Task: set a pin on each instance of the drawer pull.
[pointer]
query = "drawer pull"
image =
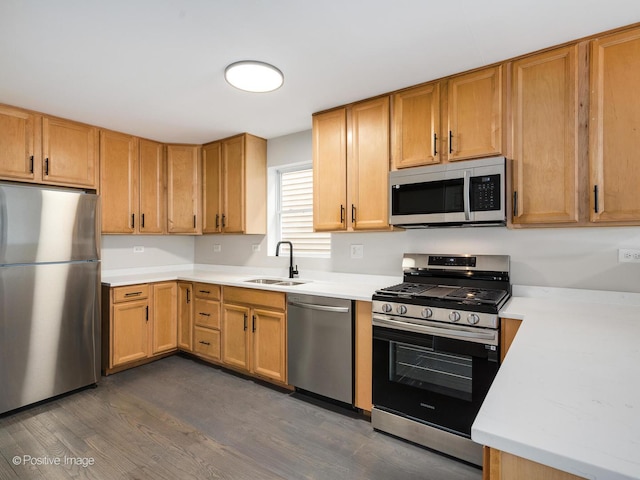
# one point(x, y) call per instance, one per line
point(205, 343)
point(204, 314)
point(132, 294)
point(205, 291)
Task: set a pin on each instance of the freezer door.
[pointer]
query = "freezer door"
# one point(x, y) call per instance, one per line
point(49, 331)
point(41, 225)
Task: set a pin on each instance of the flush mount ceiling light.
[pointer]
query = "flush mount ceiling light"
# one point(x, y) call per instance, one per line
point(253, 76)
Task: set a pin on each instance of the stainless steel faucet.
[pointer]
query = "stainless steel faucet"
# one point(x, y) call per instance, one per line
point(292, 271)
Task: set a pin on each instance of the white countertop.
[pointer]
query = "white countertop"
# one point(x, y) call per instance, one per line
point(326, 284)
point(568, 392)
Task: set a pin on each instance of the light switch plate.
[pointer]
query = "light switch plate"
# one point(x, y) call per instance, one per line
point(357, 251)
point(255, 247)
point(217, 248)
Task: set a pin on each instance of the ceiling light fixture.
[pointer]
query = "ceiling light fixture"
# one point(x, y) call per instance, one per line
point(253, 76)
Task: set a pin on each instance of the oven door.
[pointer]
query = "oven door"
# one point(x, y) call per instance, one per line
point(432, 378)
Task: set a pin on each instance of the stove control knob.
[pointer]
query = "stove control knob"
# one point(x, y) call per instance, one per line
point(454, 316)
point(426, 312)
point(473, 319)
point(401, 309)
point(386, 308)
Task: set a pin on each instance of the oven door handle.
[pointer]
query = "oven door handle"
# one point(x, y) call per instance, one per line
point(480, 336)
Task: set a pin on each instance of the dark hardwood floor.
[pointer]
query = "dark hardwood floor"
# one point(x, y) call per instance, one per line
point(179, 419)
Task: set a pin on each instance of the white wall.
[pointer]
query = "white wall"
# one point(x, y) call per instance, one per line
point(159, 250)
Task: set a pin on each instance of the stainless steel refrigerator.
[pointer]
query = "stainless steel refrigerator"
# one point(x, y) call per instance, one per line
point(49, 293)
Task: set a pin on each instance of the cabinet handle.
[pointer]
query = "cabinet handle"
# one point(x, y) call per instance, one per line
point(205, 343)
point(147, 313)
point(132, 294)
point(133, 220)
point(224, 222)
point(353, 213)
point(205, 291)
point(46, 166)
point(341, 213)
point(142, 224)
point(188, 295)
point(515, 204)
point(245, 322)
point(31, 164)
point(204, 314)
point(435, 144)
point(194, 221)
point(595, 198)
point(253, 328)
point(217, 220)
point(450, 141)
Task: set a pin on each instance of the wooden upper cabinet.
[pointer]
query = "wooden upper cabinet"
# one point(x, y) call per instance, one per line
point(183, 189)
point(70, 153)
point(118, 182)
point(19, 151)
point(415, 135)
point(152, 188)
point(368, 165)
point(330, 170)
point(544, 128)
point(235, 185)
point(474, 113)
point(614, 128)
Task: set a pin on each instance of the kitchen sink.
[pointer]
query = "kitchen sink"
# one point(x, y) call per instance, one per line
point(274, 281)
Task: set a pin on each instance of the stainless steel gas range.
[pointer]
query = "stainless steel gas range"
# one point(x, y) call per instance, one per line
point(436, 349)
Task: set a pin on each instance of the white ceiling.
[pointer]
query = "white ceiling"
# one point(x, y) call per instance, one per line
point(154, 68)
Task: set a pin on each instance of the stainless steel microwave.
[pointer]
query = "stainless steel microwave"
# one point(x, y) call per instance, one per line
point(463, 193)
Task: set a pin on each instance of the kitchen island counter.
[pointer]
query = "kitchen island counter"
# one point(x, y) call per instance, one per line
point(567, 394)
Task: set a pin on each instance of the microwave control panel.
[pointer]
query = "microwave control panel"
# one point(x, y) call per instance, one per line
point(485, 193)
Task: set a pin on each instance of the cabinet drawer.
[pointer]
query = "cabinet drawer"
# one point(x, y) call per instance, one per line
point(206, 290)
point(207, 313)
point(251, 296)
point(131, 292)
point(206, 342)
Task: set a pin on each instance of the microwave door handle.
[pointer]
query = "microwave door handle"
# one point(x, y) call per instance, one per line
point(467, 195)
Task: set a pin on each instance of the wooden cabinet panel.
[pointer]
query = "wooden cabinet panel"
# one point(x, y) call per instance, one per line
point(207, 313)
point(183, 189)
point(206, 343)
point(130, 339)
point(251, 296)
point(235, 336)
point(475, 114)
point(130, 292)
point(368, 165)
point(330, 170)
point(269, 344)
point(505, 466)
point(69, 153)
point(416, 126)
point(207, 291)
point(185, 316)
point(152, 195)
point(233, 185)
point(364, 356)
point(508, 329)
point(118, 182)
point(212, 188)
point(544, 125)
point(164, 315)
point(19, 156)
point(614, 124)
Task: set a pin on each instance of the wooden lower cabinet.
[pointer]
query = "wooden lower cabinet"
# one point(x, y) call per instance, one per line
point(130, 332)
point(508, 329)
point(165, 321)
point(501, 465)
point(364, 356)
point(254, 329)
point(185, 316)
point(206, 321)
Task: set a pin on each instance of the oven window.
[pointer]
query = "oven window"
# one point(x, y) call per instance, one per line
point(444, 373)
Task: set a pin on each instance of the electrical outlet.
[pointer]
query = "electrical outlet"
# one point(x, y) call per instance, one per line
point(138, 249)
point(357, 251)
point(217, 248)
point(255, 247)
point(628, 255)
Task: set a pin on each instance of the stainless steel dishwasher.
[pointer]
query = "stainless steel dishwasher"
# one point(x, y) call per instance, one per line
point(320, 345)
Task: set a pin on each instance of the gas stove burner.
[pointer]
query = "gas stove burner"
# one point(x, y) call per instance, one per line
point(479, 295)
point(406, 288)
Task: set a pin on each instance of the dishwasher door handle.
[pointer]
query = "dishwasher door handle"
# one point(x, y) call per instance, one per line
point(322, 308)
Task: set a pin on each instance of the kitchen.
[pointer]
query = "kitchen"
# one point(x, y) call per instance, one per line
point(577, 258)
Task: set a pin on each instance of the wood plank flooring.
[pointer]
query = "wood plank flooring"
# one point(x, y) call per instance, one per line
point(179, 419)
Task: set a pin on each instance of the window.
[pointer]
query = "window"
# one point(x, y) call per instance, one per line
point(295, 214)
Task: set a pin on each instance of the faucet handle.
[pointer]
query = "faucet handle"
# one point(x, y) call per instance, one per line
point(294, 271)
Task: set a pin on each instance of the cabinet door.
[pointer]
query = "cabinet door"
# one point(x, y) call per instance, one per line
point(416, 126)
point(368, 165)
point(614, 128)
point(269, 344)
point(19, 159)
point(118, 182)
point(475, 114)
point(330, 170)
point(544, 99)
point(183, 189)
point(70, 152)
point(211, 188)
point(185, 316)
point(363, 356)
point(164, 317)
point(130, 339)
point(233, 180)
point(152, 205)
point(235, 336)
